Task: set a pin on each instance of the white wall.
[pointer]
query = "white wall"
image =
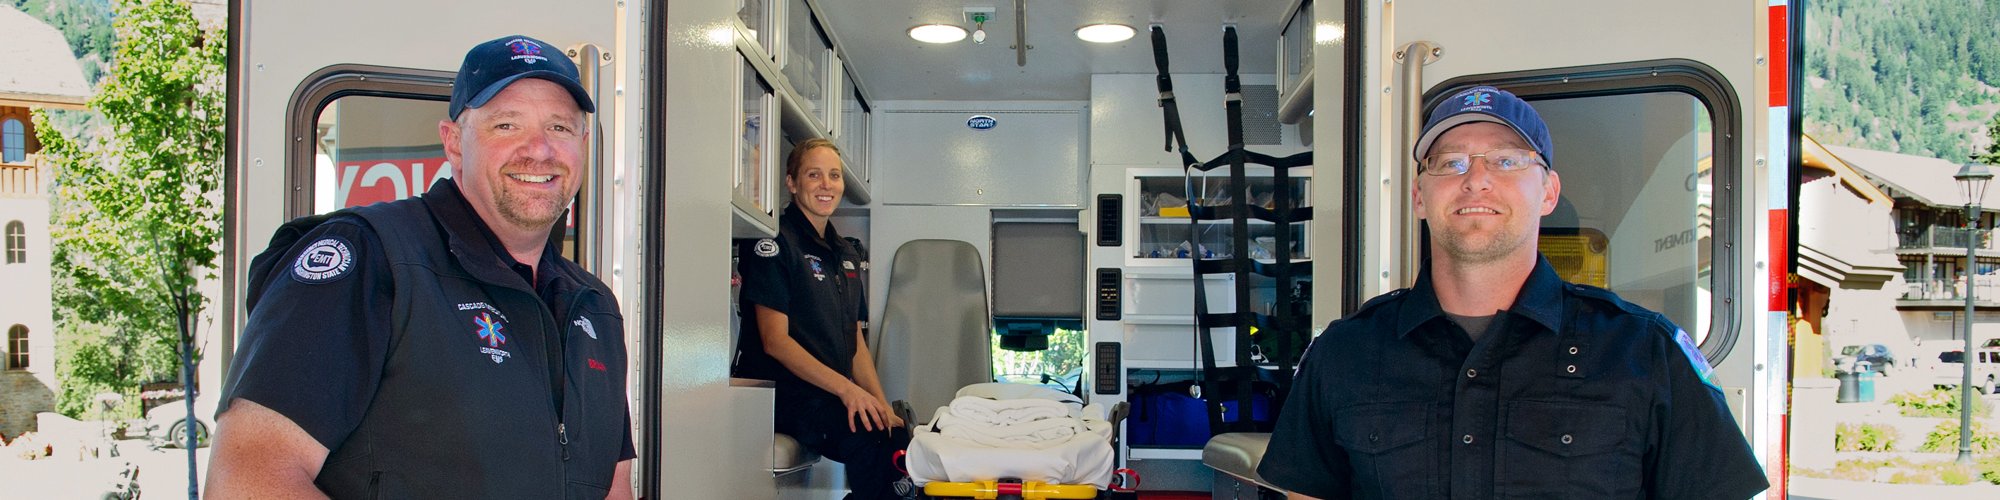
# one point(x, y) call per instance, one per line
point(934, 178)
point(27, 303)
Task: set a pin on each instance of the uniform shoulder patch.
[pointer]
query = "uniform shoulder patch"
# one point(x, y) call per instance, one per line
point(1694, 356)
point(766, 248)
point(327, 259)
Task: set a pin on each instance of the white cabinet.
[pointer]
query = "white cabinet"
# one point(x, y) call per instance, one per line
point(795, 87)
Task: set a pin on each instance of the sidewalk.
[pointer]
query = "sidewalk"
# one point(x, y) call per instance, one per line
point(1806, 488)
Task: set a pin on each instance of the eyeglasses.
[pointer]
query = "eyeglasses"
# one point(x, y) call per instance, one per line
point(1500, 160)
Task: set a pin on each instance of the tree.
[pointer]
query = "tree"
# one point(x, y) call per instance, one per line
point(137, 216)
point(1991, 156)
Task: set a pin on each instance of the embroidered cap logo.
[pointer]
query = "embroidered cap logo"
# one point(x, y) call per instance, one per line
point(525, 50)
point(1481, 99)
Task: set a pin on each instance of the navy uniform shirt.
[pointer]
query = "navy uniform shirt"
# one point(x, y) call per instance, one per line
point(1572, 393)
point(426, 383)
point(815, 280)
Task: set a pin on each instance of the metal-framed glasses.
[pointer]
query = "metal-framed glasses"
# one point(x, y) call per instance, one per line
point(1500, 160)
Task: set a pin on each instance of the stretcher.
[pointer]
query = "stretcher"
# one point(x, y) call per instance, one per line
point(956, 456)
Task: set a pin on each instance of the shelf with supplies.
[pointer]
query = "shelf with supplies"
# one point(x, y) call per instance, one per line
point(795, 87)
point(1157, 198)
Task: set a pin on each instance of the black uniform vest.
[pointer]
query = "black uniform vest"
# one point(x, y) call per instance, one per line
point(466, 407)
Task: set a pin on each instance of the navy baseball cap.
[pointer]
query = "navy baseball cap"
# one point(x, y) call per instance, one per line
point(1487, 104)
point(491, 66)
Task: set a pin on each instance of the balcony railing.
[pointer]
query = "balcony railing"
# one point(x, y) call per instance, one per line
point(19, 179)
point(1987, 288)
point(1942, 237)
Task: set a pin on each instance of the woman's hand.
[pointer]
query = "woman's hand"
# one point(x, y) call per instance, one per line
point(867, 412)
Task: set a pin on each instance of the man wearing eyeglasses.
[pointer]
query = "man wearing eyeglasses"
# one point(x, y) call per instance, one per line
point(1491, 377)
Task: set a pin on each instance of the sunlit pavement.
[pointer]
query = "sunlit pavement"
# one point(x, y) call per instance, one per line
point(1806, 488)
point(162, 473)
point(1913, 430)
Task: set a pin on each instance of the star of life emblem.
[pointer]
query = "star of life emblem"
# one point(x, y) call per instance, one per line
point(493, 332)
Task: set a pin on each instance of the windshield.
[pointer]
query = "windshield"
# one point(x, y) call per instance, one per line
point(1952, 356)
point(1850, 350)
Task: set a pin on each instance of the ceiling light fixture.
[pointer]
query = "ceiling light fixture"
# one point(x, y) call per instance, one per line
point(1105, 33)
point(937, 33)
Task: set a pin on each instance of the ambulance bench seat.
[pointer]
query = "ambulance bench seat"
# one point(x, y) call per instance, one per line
point(1237, 454)
point(751, 400)
point(788, 456)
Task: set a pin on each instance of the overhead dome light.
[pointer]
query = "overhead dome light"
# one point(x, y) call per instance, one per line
point(937, 33)
point(1105, 33)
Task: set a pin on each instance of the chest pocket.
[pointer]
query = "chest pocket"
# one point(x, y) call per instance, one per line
point(1386, 444)
point(1568, 450)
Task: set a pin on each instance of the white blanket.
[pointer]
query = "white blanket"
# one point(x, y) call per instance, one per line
point(1043, 435)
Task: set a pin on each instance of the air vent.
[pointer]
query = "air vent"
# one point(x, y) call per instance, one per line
point(1110, 211)
point(1260, 115)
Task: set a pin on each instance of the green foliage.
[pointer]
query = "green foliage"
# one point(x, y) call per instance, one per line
point(1940, 403)
point(1989, 469)
point(1865, 437)
point(1991, 156)
point(1065, 354)
point(1908, 76)
point(136, 218)
point(1944, 439)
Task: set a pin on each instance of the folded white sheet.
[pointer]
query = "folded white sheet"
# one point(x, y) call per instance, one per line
point(1033, 434)
point(1010, 411)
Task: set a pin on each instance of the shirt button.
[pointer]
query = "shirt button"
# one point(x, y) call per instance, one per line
point(1567, 439)
point(1572, 368)
point(1373, 438)
point(1572, 349)
point(1470, 373)
point(1467, 439)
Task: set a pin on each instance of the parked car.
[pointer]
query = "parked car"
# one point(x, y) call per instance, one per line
point(167, 425)
point(1950, 370)
point(1879, 358)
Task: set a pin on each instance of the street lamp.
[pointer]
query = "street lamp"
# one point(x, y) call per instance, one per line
point(1972, 183)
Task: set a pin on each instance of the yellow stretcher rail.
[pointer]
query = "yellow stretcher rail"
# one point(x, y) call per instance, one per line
point(1031, 490)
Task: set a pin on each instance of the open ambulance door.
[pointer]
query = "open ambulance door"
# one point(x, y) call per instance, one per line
point(1663, 128)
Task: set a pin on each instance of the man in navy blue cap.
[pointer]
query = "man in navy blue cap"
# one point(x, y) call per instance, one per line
point(1491, 377)
point(440, 346)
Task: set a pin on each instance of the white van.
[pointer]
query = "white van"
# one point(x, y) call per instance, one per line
point(1950, 370)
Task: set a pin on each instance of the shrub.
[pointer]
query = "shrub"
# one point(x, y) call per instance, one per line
point(1954, 474)
point(1989, 469)
point(1944, 439)
point(1865, 437)
point(1941, 403)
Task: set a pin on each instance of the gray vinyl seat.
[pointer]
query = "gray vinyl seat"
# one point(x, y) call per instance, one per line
point(788, 456)
point(936, 330)
point(1237, 454)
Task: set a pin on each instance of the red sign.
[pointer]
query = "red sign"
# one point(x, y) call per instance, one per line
point(371, 181)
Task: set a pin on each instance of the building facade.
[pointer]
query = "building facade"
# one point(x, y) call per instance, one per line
point(1921, 311)
point(37, 71)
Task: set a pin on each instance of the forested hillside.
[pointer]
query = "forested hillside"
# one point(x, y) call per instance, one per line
point(1916, 77)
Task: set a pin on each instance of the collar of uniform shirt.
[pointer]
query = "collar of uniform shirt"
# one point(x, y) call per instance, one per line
point(798, 218)
point(1540, 300)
